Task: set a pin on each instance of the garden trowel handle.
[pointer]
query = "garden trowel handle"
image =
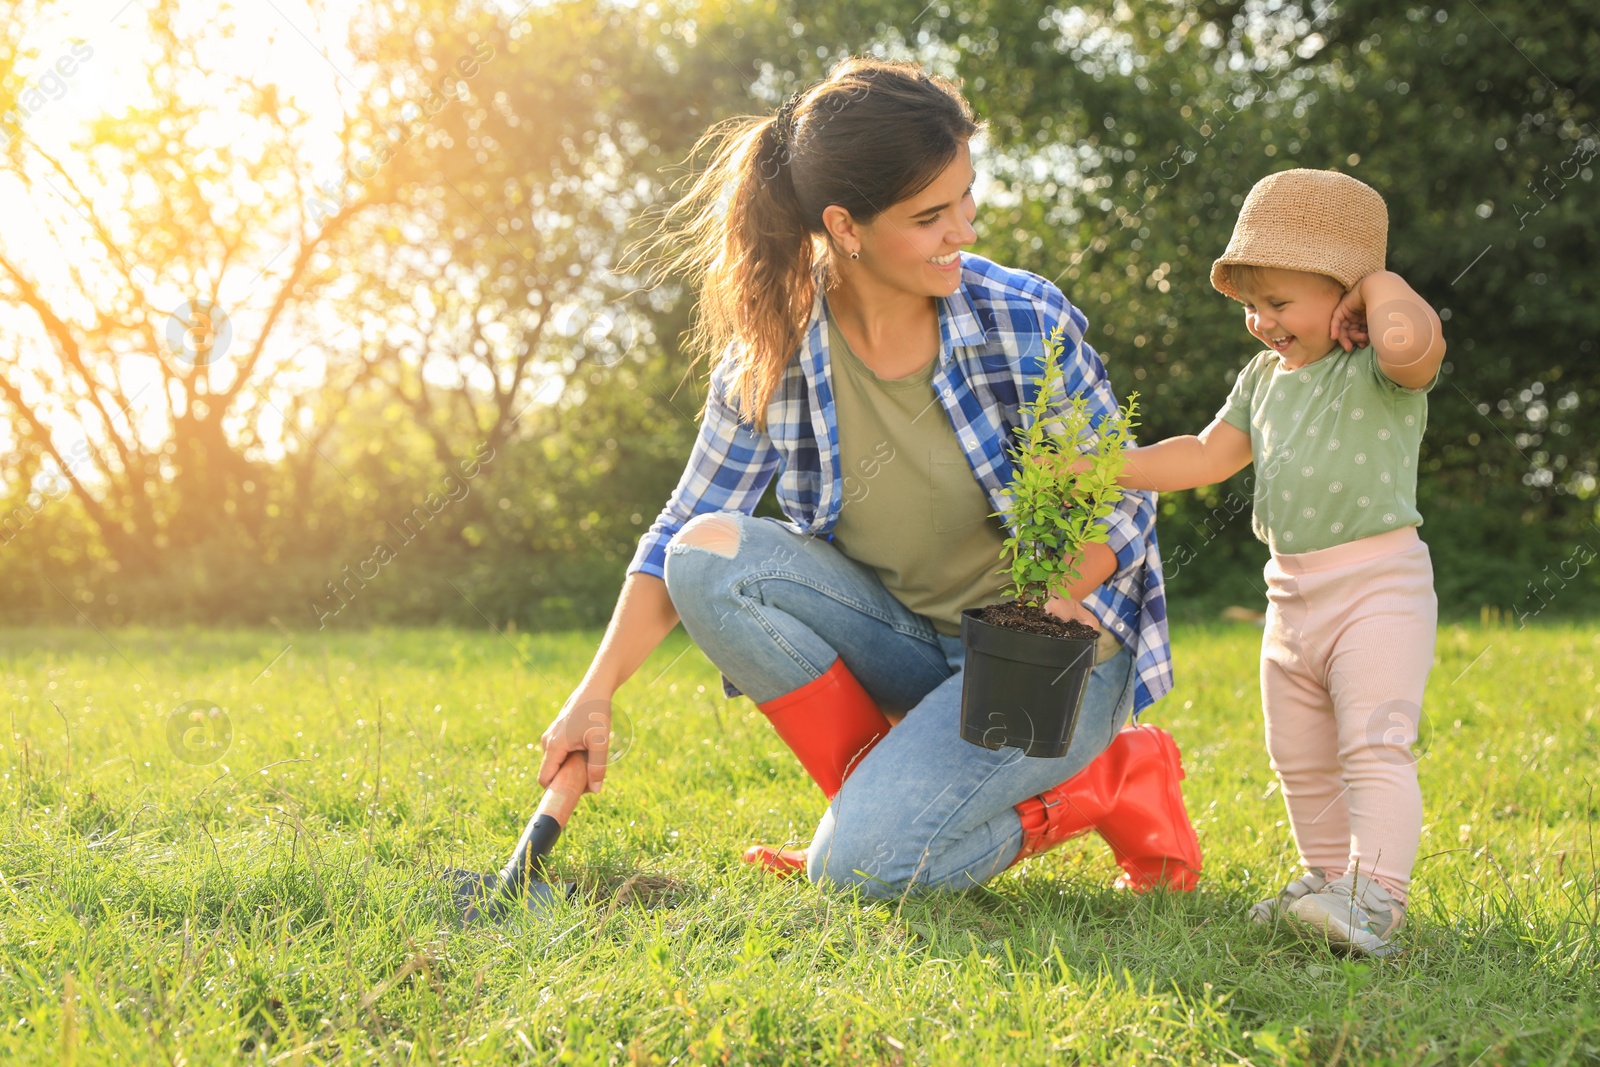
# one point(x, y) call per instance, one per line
point(539, 836)
point(570, 782)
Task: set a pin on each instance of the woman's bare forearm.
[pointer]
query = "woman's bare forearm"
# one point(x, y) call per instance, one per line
point(643, 617)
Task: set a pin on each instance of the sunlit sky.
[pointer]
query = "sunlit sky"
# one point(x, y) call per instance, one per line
point(279, 41)
point(108, 44)
point(299, 47)
point(107, 47)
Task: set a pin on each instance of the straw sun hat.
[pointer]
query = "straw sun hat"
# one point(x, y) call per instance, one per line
point(1319, 221)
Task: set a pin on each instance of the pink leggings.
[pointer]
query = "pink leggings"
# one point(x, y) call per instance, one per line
point(1344, 660)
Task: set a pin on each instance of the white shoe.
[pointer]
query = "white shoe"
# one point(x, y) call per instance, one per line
point(1353, 911)
point(1267, 911)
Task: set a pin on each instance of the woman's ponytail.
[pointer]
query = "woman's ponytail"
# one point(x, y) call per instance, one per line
point(739, 237)
point(749, 231)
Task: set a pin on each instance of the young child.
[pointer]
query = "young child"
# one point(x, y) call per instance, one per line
point(1333, 430)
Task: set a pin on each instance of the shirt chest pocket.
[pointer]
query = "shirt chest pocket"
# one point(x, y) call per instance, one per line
point(957, 501)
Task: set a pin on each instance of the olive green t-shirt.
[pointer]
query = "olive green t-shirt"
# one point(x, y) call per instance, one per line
point(913, 510)
point(1334, 445)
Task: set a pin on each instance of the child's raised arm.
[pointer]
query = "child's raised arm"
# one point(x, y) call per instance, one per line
point(1404, 329)
point(1217, 454)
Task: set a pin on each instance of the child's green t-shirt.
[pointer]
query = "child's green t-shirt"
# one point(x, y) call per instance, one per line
point(1334, 445)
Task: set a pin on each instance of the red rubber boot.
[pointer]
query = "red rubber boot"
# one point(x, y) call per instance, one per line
point(1131, 795)
point(830, 723)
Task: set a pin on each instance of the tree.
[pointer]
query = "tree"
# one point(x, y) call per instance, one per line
point(132, 345)
point(456, 276)
point(1127, 138)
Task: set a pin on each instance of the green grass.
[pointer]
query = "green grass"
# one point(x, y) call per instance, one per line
point(279, 905)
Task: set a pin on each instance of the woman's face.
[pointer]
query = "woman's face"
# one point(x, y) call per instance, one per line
point(915, 245)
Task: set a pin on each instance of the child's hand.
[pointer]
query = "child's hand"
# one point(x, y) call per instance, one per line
point(1349, 323)
point(1409, 341)
point(1062, 466)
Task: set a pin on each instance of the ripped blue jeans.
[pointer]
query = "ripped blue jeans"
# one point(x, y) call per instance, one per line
point(773, 609)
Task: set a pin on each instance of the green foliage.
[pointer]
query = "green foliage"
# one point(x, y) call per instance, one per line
point(481, 269)
point(1125, 137)
point(1064, 469)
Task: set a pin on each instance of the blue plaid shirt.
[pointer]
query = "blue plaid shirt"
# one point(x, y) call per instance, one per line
point(993, 330)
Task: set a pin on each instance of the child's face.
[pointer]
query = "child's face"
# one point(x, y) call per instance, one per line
point(1290, 311)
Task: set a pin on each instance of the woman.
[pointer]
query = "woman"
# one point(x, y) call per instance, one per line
point(877, 371)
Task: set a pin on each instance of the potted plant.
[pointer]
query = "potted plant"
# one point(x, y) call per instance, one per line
point(1026, 670)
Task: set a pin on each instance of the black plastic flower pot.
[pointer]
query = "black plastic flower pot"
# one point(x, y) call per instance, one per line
point(1021, 690)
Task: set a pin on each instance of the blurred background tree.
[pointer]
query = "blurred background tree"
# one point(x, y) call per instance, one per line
point(457, 286)
point(1475, 121)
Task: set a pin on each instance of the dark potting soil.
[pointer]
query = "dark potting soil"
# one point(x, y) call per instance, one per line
point(1031, 620)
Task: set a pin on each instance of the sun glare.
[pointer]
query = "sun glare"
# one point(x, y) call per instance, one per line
point(86, 65)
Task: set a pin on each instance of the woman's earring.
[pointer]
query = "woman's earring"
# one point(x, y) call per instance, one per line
point(855, 255)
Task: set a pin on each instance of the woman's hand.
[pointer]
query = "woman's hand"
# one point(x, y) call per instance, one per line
point(1070, 611)
point(583, 725)
point(1095, 568)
